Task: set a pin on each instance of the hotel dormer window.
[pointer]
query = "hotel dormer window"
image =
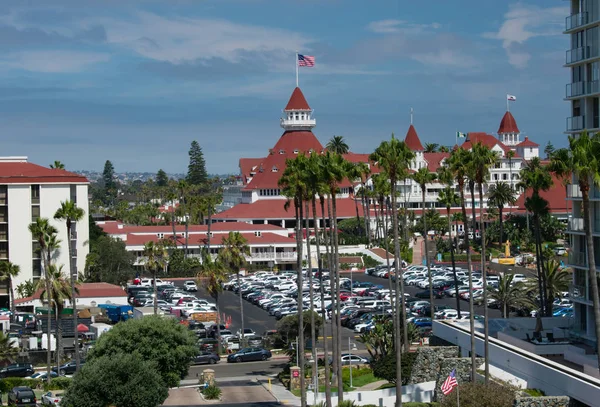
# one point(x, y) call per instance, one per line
point(295, 151)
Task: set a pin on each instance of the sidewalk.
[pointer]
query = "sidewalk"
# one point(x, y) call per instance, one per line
point(281, 394)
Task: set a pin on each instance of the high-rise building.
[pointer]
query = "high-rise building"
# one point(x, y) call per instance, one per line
point(583, 61)
point(27, 192)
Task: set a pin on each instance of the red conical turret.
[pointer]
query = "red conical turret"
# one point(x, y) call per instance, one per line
point(412, 139)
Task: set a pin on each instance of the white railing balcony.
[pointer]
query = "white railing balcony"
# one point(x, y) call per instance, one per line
point(270, 256)
point(576, 224)
point(577, 259)
point(575, 123)
point(300, 123)
point(582, 88)
point(573, 191)
point(576, 20)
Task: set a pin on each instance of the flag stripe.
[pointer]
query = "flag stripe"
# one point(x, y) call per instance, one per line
point(306, 60)
point(450, 383)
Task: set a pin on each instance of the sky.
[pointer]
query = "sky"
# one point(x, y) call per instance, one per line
point(135, 81)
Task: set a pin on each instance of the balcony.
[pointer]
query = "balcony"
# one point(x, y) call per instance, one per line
point(576, 20)
point(576, 225)
point(579, 54)
point(573, 191)
point(577, 292)
point(575, 123)
point(578, 259)
point(270, 256)
point(582, 89)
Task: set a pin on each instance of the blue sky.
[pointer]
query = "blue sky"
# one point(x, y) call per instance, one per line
point(135, 81)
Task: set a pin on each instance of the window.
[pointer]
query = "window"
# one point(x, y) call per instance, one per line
point(36, 267)
point(3, 194)
point(4, 232)
point(504, 177)
point(35, 213)
point(35, 194)
point(35, 250)
point(73, 193)
point(3, 214)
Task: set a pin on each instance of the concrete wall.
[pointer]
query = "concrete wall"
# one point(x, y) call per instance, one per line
point(19, 238)
point(533, 347)
point(421, 392)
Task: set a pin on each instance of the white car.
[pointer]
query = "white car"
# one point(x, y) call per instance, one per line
point(519, 278)
point(51, 399)
point(190, 286)
point(350, 359)
point(362, 327)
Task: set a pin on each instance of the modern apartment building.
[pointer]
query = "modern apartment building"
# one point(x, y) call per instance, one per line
point(583, 60)
point(29, 191)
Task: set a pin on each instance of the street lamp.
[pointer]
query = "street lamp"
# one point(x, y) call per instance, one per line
point(350, 358)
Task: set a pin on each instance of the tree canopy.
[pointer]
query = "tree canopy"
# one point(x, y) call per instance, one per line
point(109, 261)
point(197, 174)
point(162, 179)
point(110, 184)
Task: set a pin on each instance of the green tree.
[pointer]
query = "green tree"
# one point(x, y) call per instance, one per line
point(431, 147)
point(509, 294)
point(557, 281)
point(109, 261)
point(26, 289)
point(162, 179)
point(422, 177)
point(394, 158)
point(288, 327)
point(121, 379)
point(156, 339)
point(156, 257)
point(197, 174)
point(57, 165)
point(549, 150)
point(338, 145)
point(8, 271)
point(500, 195)
point(212, 275)
point(110, 184)
point(71, 213)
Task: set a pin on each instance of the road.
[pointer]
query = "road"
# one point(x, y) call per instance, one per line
point(250, 369)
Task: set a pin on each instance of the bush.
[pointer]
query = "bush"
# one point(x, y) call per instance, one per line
point(7, 384)
point(385, 367)
point(460, 257)
point(535, 392)
point(479, 394)
point(347, 403)
point(58, 383)
point(211, 392)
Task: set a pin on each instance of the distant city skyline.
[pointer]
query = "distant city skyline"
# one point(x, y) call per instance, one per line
point(136, 81)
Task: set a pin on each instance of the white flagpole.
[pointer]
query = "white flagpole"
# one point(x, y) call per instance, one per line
point(457, 397)
point(507, 101)
point(296, 68)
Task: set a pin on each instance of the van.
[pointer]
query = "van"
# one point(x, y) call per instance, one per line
point(22, 396)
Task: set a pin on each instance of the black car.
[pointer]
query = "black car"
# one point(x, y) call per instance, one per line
point(22, 396)
point(206, 358)
point(68, 368)
point(17, 370)
point(425, 294)
point(249, 354)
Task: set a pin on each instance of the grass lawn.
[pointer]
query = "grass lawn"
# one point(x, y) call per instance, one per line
point(361, 380)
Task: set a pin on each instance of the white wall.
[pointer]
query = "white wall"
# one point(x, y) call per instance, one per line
point(19, 238)
point(83, 228)
point(83, 301)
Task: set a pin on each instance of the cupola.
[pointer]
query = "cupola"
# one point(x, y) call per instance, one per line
point(297, 113)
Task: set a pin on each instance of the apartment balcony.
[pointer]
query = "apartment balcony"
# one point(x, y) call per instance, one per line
point(577, 259)
point(579, 54)
point(573, 191)
point(578, 89)
point(270, 256)
point(576, 225)
point(575, 123)
point(576, 20)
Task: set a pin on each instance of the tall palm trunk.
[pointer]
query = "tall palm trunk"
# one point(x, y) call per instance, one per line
point(219, 348)
point(453, 261)
point(322, 292)
point(12, 296)
point(49, 319)
point(155, 290)
point(399, 302)
point(73, 271)
point(208, 235)
point(338, 322)
point(387, 261)
point(587, 218)
point(540, 264)
point(470, 271)
point(173, 223)
point(377, 227)
point(300, 282)
point(357, 215)
point(486, 328)
point(329, 254)
point(425, 237)
point(239, 285)
point(313, 338)
point(59, 335)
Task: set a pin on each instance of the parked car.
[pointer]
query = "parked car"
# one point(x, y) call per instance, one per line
point(51, 399)
point(42, 375)
point(17, 370)
point(190, 286)
point(68, 368)
point(206, 358)
point(249, 354)
point(350, 359)
point(22, 396)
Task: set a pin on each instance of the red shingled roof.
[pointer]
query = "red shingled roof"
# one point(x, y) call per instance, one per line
point(434, 160)
point(251, 238)
point(508, 124)
point(274, 209)
point(86, 290)
point(486, 139)
point(297, 101)
point(23, 172)
point(556, 197)
point(248, 165)
point(527, 143)
point(112, 228)
point(412, 139)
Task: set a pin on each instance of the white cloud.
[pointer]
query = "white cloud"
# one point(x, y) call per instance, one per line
point(522, 23)
point(392, 26)
point(52, 61)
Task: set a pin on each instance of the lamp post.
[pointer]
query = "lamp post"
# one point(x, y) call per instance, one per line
point(350, 358)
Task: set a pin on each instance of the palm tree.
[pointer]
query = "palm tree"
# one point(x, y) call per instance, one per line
point(431, 147)
point(557, 281)
point(8, 271)
point(500, 195)
point(423, 177)
point(337, 145)
point(70, 213)
point(7, 350)
point(510, 154)
point(362, 171)
point(45, 235)
point(57, 165)
point(394, 158)
point(582, 161)
point(483, 159)
point(444, 149)
point(60, 291)
point(458, 164)
point(215, 274)
point(509, 294)
point(233, 255)
point(156, 259)
point(536, 177)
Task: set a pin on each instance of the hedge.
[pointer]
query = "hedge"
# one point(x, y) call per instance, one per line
point(460, 257)
point(57, 383)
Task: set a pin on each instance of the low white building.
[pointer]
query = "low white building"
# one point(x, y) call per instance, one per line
point(90, 295)
point(29, 191)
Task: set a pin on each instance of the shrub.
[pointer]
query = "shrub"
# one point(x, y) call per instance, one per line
point(347, 403)
point(479, 394)
point(8, 383)
point(211, 392)
point(385, 367)
point(58, 383)
point(535, 392)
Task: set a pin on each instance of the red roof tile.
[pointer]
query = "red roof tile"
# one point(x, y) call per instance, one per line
point(297, 101)
point(86, 290)
point(112, 228)
point(274, 209)
point(486, 139)
point(249, 165)
point(556, 197)
point(194, 240)
point(434, 160)
point(412, 139)
point(508, 124)
point(23, 172)
point(527, 143)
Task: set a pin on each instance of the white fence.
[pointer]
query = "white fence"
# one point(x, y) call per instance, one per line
point(421, 392)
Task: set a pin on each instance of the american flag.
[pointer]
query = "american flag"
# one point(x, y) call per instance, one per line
point(306, 60)
point(450, 383)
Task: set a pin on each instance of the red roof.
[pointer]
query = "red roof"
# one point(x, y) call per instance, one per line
point(274, 209)
point(412, 139)
point(86, 290)
point(486, 139)
point(23, 172)
point(297, 101)
point(112, 228)
point(508, 124)
point(434, 160)
point(249, 165)
point(527, 143)
point(556, 197)
point(194, 240)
